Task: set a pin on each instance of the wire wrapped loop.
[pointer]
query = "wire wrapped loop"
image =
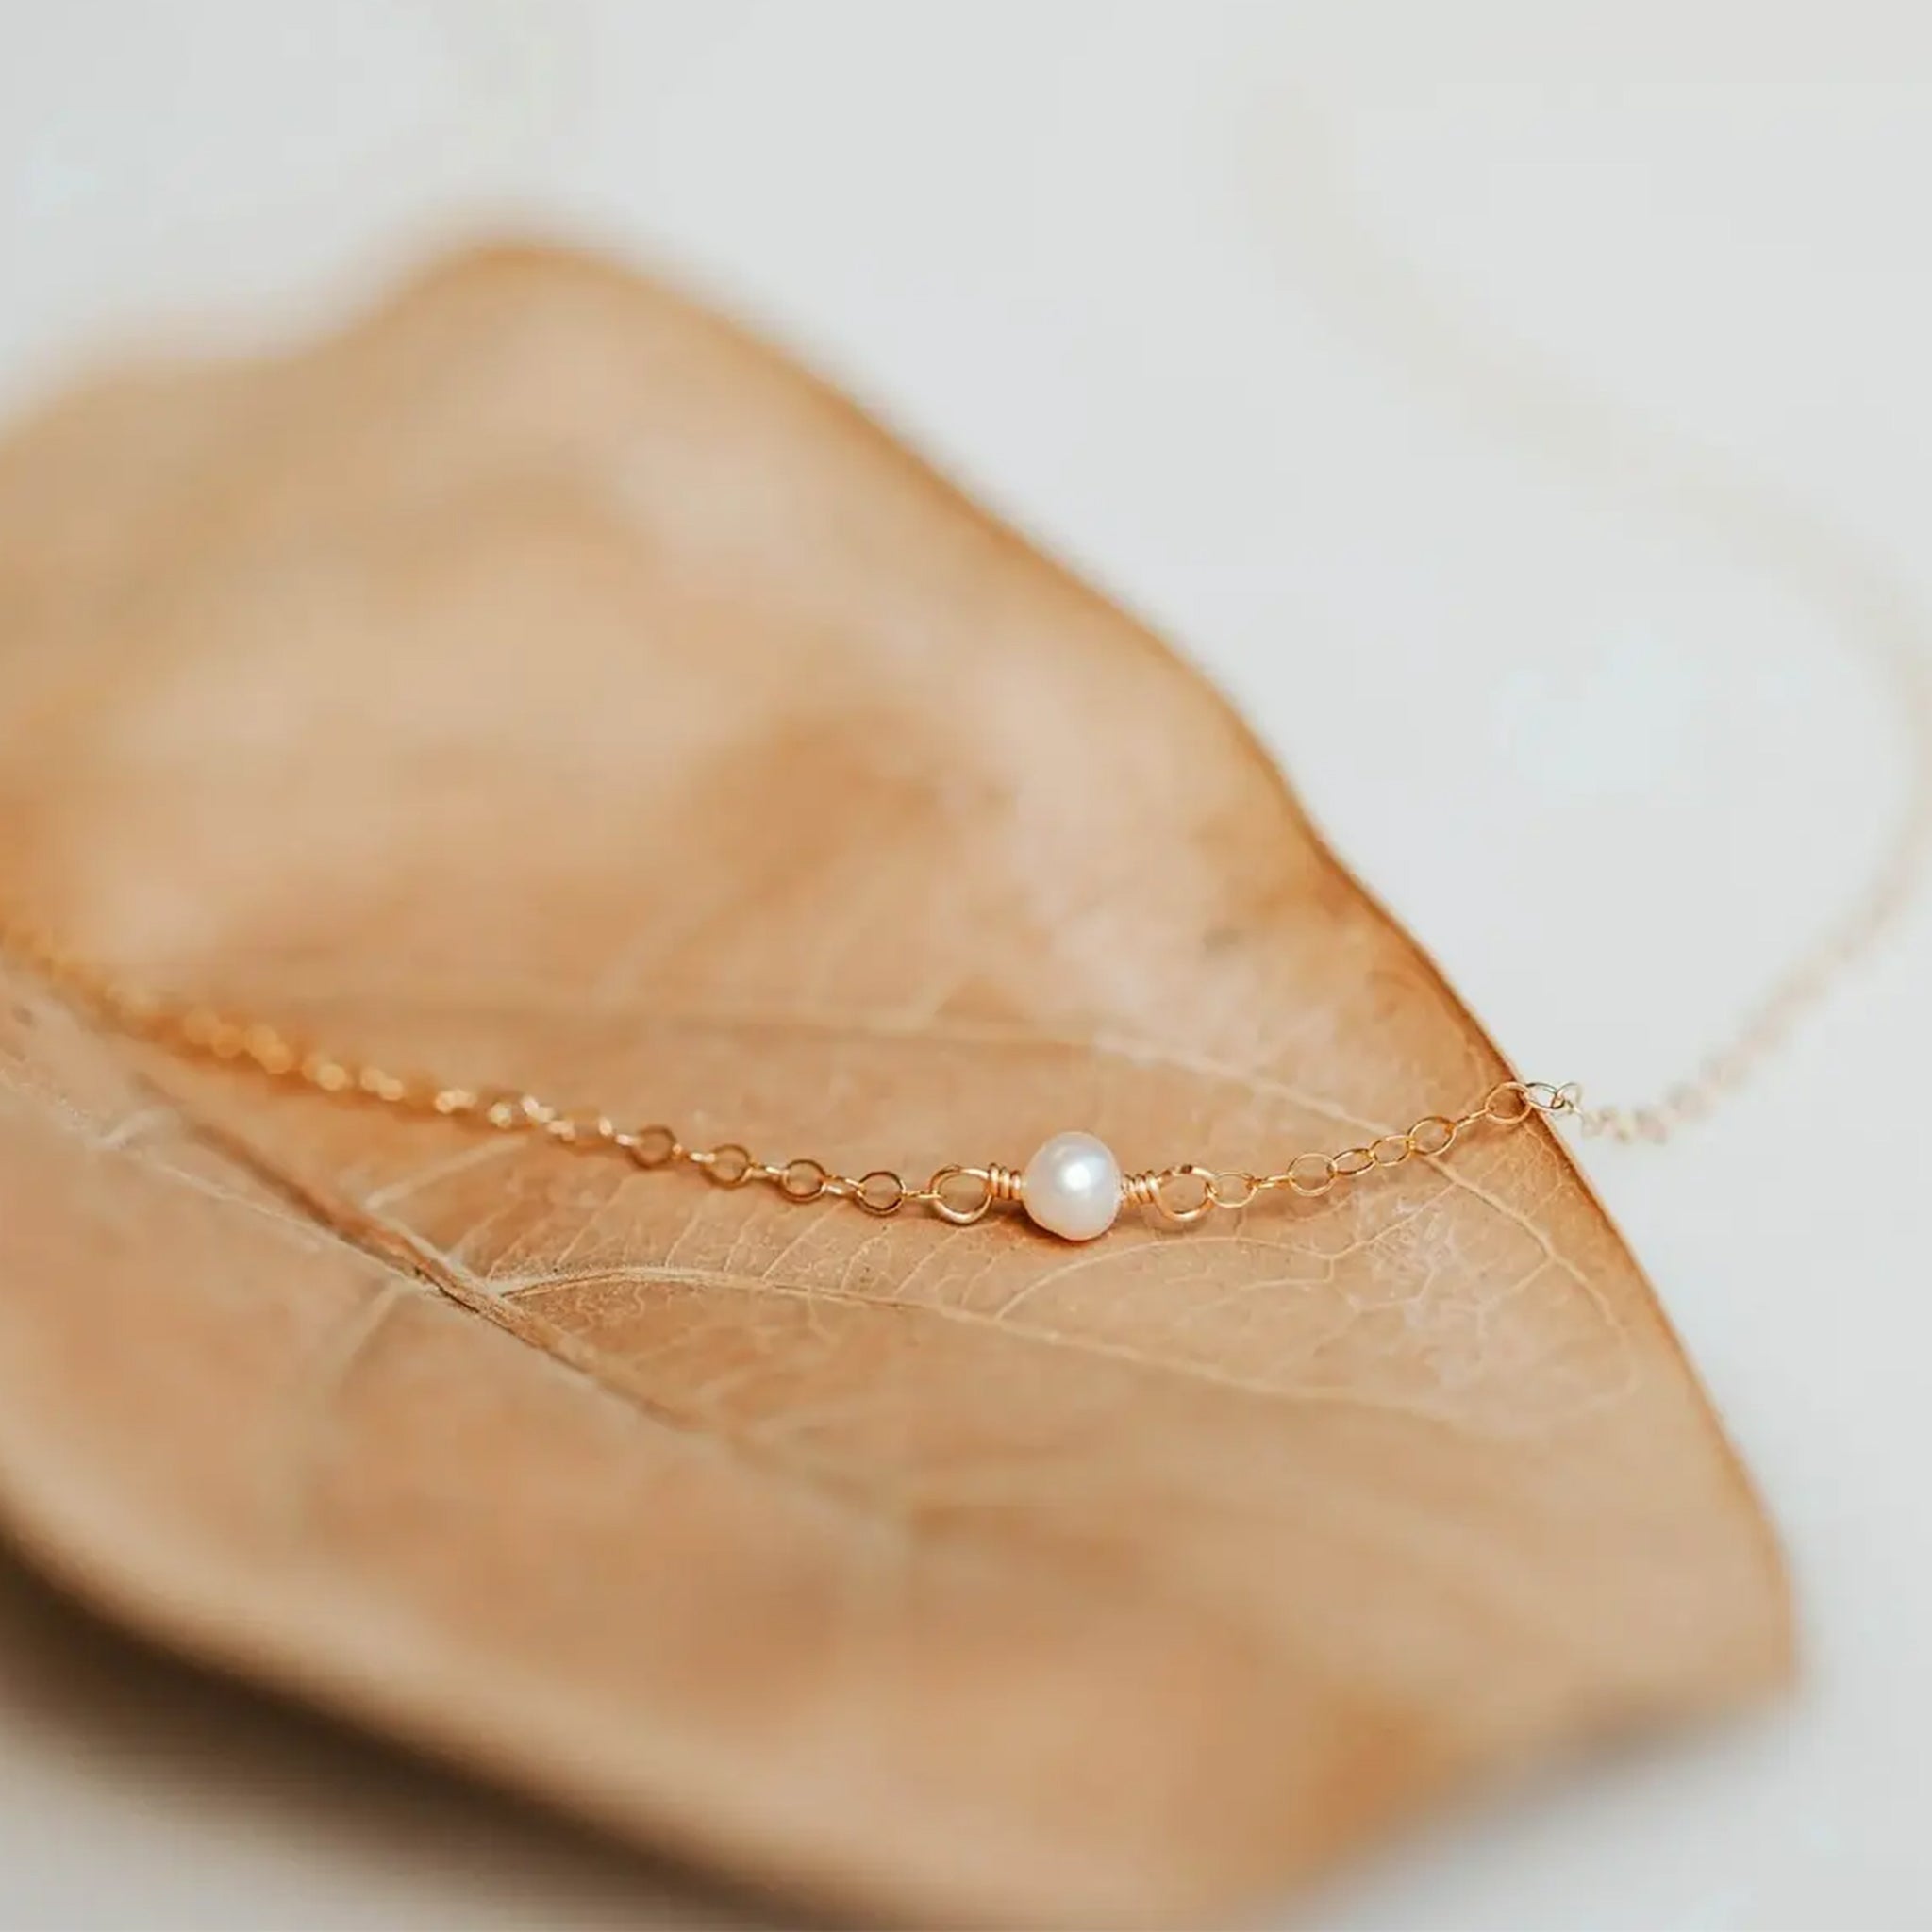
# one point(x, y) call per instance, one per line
point(1177, 1195)
point(1185, 1195)
point(961, 1213)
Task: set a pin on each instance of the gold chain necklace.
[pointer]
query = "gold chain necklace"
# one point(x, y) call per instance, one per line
point(1073, 1186)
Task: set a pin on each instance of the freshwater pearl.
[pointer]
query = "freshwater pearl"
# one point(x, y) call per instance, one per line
point(1072, 1187)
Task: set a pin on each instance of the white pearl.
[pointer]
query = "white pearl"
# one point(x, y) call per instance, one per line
point(1072, 1187)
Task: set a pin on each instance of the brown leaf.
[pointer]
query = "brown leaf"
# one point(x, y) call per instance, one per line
point(544, 684)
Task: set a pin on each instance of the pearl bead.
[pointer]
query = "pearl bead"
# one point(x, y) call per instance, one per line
point(1072, 1187)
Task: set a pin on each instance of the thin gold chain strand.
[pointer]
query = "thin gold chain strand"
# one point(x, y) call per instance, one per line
point(1625, 459)
point(1884, 627)
point(1179, 1196)
point(1891, 647)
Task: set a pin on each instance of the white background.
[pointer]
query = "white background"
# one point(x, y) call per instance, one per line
point(1522, 410)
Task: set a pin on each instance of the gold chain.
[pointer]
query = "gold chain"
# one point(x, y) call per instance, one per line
point(1178, 1195)
point(1386, 299)
point(1895, 653)
point(1885, 627)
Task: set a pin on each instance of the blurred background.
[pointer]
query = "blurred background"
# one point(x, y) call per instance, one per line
point(1521, 412)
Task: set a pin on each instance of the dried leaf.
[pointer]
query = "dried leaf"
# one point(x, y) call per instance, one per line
point(544, 684)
